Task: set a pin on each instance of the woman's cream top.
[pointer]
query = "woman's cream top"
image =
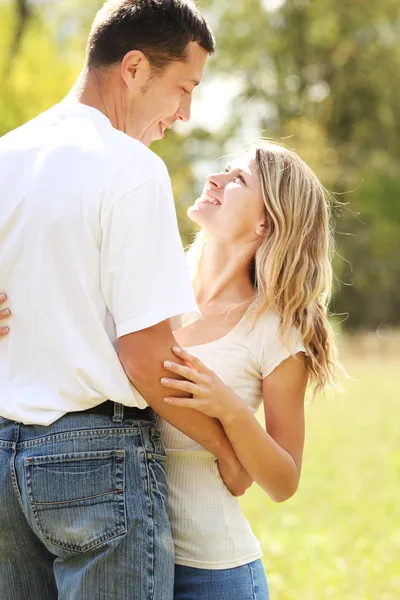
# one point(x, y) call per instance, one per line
point(209, 529)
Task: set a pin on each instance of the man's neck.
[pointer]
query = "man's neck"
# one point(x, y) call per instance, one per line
point(96, 89)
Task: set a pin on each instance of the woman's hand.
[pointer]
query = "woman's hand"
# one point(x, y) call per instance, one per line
point(4, 314)
point(207, 392)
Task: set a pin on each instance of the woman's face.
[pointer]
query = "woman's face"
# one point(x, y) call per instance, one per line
point(231, 207)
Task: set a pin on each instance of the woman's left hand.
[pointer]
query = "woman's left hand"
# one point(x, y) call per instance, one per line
point(209, 394)
point(4, 314)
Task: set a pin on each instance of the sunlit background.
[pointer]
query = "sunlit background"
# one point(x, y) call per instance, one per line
point(323, 76)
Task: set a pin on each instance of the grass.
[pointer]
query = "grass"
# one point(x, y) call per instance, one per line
point(339, 537)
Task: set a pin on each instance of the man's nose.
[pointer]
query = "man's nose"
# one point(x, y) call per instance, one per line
point(184, 111)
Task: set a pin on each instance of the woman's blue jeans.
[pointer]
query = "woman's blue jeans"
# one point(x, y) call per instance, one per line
point(248, 582)
point(84, 511)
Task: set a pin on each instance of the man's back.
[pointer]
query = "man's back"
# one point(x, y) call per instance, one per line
point(61, 177)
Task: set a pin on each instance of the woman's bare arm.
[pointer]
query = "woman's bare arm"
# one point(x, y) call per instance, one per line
point(272, 456)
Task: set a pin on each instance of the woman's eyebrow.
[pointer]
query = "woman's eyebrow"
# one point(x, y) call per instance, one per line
point(245, 176)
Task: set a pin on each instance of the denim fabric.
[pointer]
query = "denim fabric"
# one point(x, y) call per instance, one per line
point(84, 511)
point(248, 582)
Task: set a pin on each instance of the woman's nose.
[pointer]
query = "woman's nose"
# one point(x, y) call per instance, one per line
point(216, 180)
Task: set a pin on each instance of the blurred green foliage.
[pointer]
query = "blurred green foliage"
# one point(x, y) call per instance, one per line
point(322, 75)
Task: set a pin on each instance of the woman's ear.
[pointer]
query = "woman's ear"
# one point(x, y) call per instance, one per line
point(262, 228)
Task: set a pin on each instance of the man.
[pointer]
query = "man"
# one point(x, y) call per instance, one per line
point(92, 263)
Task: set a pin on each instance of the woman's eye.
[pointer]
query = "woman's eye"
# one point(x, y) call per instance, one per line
point(240, 178)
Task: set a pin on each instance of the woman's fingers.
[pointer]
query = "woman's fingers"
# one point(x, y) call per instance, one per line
point(185, 372)
point(193, 360)
point(183, 402)
point(183, 386)
point(6, 312)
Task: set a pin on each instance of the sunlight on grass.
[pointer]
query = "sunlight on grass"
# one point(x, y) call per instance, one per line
point(339, 537)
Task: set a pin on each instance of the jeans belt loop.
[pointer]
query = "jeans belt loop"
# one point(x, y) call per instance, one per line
point(118, 413)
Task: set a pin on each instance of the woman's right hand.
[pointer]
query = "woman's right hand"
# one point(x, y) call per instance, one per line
point(4, 314)
point(236, 479)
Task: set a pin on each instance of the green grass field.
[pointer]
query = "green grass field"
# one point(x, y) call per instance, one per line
point(339, 537)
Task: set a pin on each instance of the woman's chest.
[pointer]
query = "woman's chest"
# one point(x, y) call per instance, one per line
point(210, 328)
point(234, 362)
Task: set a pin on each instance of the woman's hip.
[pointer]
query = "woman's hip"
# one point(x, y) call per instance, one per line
point(248, 582)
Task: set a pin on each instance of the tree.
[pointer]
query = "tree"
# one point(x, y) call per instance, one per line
point(326, 73)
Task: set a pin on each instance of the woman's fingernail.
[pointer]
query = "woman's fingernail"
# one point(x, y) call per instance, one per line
point(4, 330)
point(6, 312)
point(177, 350)
point(2, 297)
point(167, 364)
point(164, 380)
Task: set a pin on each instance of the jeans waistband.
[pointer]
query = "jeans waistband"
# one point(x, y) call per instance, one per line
point(120, 412)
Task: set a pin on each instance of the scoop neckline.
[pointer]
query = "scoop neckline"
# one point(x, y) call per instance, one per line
point(227, 335)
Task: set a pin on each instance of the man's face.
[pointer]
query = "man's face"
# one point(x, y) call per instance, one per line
point(156, 103)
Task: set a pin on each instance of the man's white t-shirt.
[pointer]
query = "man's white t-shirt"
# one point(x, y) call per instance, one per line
point(89, 252)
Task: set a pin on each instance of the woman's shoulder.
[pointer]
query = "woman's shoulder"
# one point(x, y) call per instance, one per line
point(258, 323)
point(269, 343)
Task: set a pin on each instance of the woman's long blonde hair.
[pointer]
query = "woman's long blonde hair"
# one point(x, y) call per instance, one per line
point(292, 270)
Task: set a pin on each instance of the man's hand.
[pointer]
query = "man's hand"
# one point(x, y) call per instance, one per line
point(4, 314)
point(236, 479)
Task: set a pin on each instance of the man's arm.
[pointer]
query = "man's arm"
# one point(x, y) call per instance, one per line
point(142, 355)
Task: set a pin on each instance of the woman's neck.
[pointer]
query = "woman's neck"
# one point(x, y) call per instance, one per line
point(224, 275)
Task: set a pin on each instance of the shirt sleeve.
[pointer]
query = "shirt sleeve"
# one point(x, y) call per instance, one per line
point(272, 350)
point(144, 276)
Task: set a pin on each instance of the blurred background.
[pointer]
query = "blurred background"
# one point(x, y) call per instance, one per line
point(323, 77)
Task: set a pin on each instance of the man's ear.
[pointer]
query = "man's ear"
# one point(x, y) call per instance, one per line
point(132, 65)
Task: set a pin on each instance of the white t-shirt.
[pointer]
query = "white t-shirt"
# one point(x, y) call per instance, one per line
point(208, 526)
point(90, 251)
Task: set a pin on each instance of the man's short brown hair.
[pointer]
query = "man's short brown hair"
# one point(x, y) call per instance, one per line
point(161, 29)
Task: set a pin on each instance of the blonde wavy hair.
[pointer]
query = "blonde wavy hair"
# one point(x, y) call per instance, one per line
point(292, 266)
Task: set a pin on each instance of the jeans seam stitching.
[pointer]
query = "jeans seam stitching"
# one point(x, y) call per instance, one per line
point(252, 583)
point(151, 520)
point(81, 433)
point(13, 471)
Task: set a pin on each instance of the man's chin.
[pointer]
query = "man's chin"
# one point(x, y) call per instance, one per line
point(147, 140)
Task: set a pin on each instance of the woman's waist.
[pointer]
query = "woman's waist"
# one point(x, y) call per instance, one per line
point(175, 440)
point(194, 479)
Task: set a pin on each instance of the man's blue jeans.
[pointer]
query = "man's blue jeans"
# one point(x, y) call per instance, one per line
point(84, 510)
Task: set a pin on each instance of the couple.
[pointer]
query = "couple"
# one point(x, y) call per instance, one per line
point(97, 281)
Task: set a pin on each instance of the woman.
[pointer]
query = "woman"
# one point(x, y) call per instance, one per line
point(262, 277)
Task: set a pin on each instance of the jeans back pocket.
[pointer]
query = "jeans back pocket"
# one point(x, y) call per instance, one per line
point(77, 499)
